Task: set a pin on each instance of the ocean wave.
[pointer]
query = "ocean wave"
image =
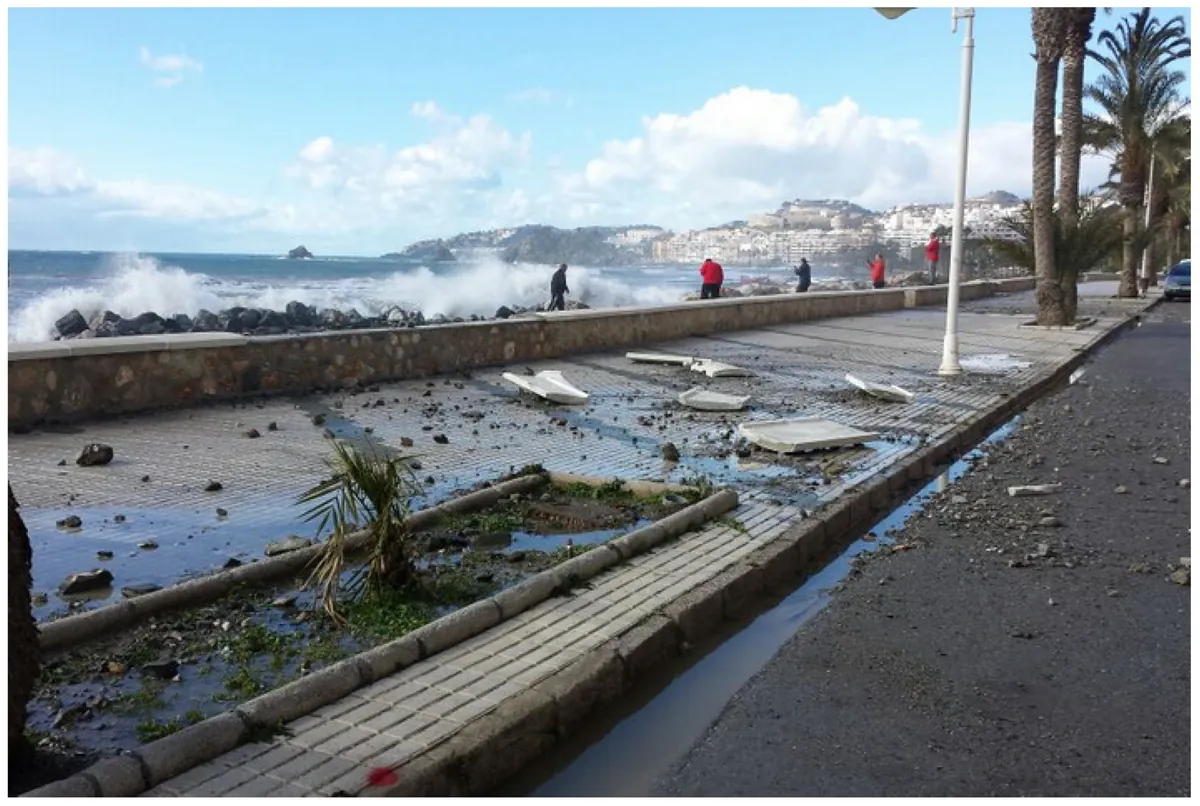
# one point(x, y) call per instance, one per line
point(133, 284)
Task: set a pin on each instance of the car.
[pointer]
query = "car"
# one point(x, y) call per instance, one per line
point(1178, 284)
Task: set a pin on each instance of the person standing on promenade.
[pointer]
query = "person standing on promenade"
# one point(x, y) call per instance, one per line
point(933, 251)
point(711, 277)
point(558, 287)
point(804, 273)
point(878, 266)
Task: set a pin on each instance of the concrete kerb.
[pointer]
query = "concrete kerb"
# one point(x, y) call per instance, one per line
point(602, 675)
point(164, 758)
point(72, 631)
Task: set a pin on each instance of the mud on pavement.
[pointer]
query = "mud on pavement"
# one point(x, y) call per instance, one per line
point(1024, 646)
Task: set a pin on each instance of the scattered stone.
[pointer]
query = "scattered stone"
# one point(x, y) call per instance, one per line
point(213, 487)
point(1044, 550)
point(1121, 489)
point(118, 518)
point(115, 667)
point(71, 325)
point(670, 453)
point(1182, 576)
point(1140, 568)
point(145, 479)
point(1034, 489)
point(222, 513)
point(95, 455)
point(85, 581)
point(441, 439)
point(232, 562)
point(1161, 460)
point(38, 599)
point(148, 545)
point(430, 480)
point(406, 442)
point(253, 434)
point(415, 464)
point(131, 591)
point(960, 500)
point(104, 554)
point(163, 669)
point(1050, 521)
point(318, 419)
point(70, 522)
point(62, 462)
point(289, 544)
point(1185, 483)
point(328, 434)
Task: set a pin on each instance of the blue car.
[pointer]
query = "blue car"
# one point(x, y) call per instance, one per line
point(1178, 284)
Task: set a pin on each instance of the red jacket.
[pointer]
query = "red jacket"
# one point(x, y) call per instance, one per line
point(933, 249)
point(711, 272)
point(877, 268)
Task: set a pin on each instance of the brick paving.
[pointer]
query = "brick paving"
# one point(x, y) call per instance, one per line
point(798, 366)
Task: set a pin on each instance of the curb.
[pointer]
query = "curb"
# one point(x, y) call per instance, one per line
point(135, 772)
point(72, 631)
point(490, 749)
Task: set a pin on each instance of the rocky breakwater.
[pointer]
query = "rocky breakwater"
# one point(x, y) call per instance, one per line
point(295, 318)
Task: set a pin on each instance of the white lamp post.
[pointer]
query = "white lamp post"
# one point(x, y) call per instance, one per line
point(950, 365)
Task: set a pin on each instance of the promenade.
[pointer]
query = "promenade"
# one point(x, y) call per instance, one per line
point(488, 430)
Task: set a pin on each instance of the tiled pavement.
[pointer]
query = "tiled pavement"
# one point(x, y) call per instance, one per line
point(330, 750)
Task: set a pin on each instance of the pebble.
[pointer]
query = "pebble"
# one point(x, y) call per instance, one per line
point(1161, 460)
point(148, 545)
point(1121, 489)
point(272, 426)
point(145, 479)
point(1185, 483)
point(213, 486)
point(70, 522)
point(118, 518)
point(253, 434)
point(222, 513)
point(670, 453)
point(94, 455)
point(441, 439)
point(1050, 521)
point(406, 442)
point(104, 555)
point(318, 419)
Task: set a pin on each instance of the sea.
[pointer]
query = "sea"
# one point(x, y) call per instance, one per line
point(44, 286)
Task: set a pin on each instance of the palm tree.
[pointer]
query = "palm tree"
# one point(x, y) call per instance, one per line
point(24, 660)
point(1076, 35)
point(1177, 218)
point(1084, 240)
point(1139, 99)
point(1048, 26)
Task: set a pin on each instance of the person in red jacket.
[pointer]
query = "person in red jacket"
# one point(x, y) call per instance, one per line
point(933, 251)
point(711, 277)
point(878, 267)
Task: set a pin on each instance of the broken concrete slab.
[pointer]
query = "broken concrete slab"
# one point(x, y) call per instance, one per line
point(880, 390)
point(703, 400)
point(718, 369)
point(1034, 489)
point(549, 385)
point(661, 358)
point(802, 434)
point(993, 363)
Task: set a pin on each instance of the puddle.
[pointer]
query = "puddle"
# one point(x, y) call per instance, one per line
point(527, 541)
point(630, 758)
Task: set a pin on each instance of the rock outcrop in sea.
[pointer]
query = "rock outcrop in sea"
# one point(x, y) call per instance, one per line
point(300, 252)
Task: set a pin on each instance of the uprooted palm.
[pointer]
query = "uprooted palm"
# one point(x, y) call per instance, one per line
point(371, 492)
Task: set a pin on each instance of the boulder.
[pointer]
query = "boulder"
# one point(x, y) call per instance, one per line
point(299, 314)
point(148, 323)
point(291, 543)
point(71, 325)
point(86, 581)
point(206, 321)
point(95, 454)
point(273, 319)
point(300, 253)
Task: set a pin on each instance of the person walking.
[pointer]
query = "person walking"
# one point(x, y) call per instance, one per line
point(711, 277)
point(878, 267)
point(558, 287)
point(804, 273)
point(933, 251)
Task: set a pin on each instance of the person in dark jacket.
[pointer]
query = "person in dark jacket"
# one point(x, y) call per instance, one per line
point(804, 273)
point(711, 277)
point(558, 287)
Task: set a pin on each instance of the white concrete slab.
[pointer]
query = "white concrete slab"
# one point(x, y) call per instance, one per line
point(718, 369)
point(880, 390)
point(993, 363)
point(549, 385)
point(802, 434)
point(703, 400)
point(660, 358)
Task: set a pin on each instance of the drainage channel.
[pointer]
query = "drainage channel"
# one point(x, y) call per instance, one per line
point(626, 752)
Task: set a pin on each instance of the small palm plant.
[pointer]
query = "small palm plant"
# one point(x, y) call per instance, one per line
point(368, 491)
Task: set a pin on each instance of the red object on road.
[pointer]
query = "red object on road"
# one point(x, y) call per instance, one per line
point(382, 776)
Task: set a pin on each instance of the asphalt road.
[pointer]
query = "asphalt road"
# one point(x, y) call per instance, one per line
point(1000, 656)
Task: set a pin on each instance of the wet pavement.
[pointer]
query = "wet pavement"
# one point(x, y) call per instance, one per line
point(165, 460)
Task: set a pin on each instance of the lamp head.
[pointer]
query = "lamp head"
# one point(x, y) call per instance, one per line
point(893, 13)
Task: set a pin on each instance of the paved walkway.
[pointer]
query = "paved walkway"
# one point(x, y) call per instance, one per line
point(799, 368)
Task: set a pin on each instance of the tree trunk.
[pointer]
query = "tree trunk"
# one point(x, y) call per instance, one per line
point(1129, 255)
point(1049, 290)
point(24, 659)
point(1079, 31)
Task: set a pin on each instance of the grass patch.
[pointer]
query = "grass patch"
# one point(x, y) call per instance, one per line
point(732, 523)
point(242, 684)
point(146, 698)
point(388, 613)
point(149, 730)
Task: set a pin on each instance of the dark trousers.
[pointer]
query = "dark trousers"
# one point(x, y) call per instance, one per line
point(710, 291)
point(878, 284)
point(803, 286)
point(933, 264)
point(557, 303)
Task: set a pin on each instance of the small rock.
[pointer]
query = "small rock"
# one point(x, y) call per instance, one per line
point(415, 464)
point(115, 667)
point(430, 480)
point(70, 522)
point(318, 419)
point(670, 453)
point(222, 513)
point(163, 669)
point(148, 545)
point(1121, 489)
point(272, 426)
point(1140, 568)
point(406, 442)
point(86, 581)
point(1161, 460)
point(289, 544)
point(39, 599)
point(253, 434)
point(1043, 550)
point(1185, 483)
point(62, 462)
point(441, 439)
point(1050, 521)
point(328, 434)
point(1181, 576)
point(213, 486)
point(104, 554)
point(94, 455)
point(145, 479)
point(118, 518)
point(232, 562)
point(958, 499)
point(131, 591)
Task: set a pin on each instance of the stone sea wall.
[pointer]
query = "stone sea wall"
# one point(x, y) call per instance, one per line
point(75, 380)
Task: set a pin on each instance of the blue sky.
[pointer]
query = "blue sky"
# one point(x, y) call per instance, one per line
point(201, 129)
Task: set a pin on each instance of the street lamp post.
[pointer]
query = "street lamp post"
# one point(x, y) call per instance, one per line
point(950, 365)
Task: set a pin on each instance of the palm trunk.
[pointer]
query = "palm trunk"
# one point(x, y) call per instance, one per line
point(23, 654)
point(1129, 255)
point(1049, 290)
point(1072, 150)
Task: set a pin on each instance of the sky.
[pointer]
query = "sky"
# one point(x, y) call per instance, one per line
point(359, 131)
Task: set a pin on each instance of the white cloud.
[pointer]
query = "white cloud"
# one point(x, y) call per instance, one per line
point(176, 65)
point(44, 172)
